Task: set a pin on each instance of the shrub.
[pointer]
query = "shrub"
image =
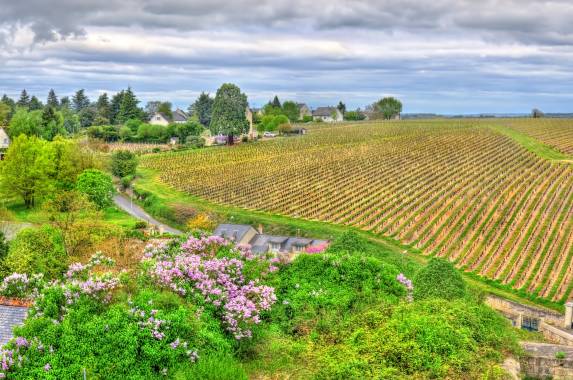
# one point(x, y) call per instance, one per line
point(98, 187)
point(439, 279)
point(306, 118)
point(349, 242)
point(123, 163)
point(3, 246)
point(38, 250)
point(202, 222)
point(195, 142)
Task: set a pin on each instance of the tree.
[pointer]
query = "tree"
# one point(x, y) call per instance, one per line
point(202, 109)
point(52, 124)
point(26, 169)
point(276, 102)
point(165, 108)
point(123, 163)
point(5, 112)
point(128, 107)
point(387, 108)
point(80, 101)
point(229, 112)
point(87, 117)
point(26, 123)
point(290, 109)
point(69, 160)
point(52, 100)
point(35, 104)
point(341, 107)
point(97, 186)
point(103, 109)
point(12, 105)
point(439, 279)
point(536, 113)
point(355, 115)
point(191, 128)
point(24, 100)
point(115, 106)
point(65, 103)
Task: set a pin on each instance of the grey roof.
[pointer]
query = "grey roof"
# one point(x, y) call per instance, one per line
point(324, 111)
point(179, 115)
point(232, 231)
point(10, 316)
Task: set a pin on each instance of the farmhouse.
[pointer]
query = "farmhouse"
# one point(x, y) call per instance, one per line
point(4, 142)
point(159, 118)
point(303, 110)
point(263, 243)
point(327, 114)
point(180, 116)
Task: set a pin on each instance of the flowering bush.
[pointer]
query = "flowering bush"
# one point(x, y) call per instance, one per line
point(408, 284)
point(210, 270)
point(20, 285)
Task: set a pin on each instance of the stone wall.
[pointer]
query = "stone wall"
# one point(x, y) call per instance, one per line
point(513, 309)
point(540, 361)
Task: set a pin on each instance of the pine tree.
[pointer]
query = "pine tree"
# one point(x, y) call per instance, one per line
point(115, 106)
point(128, 108)
point(103, 107)
point(24, 100)
point(65, 103)
point(202, 109)
point(80, 100)
point(35, 104)
point(52, 100)
point(276, 102)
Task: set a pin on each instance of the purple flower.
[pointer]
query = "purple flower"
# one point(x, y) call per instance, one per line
point(47, 367)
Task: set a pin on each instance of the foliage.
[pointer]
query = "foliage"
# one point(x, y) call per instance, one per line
point(80, 101)
point(228, 116)
point(354, 115)
point(123, 163)
point(38, 250)
point(290, 110)
point(97, 186)
point(128, 108)
point(386, 108)
point(25, 123)
point(52, 124)
point(349, 242)
point(439, 279)
point(191, 128)
point(3, 246)
point(202, 109)
point(272, 122)
point(201, 221)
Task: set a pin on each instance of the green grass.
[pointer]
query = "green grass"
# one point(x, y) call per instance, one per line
point(168, 197)
point(533, 145)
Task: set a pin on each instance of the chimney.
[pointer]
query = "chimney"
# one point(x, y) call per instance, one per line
point(260, 229)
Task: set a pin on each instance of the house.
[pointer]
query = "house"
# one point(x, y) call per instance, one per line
point(178, 117)
point(263, 243)
point(4, 142)
point(303, 111)
point(159, 118)
point(253, 134)
point(327, 114)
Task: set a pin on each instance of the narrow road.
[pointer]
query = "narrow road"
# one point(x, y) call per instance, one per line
point(125, 204)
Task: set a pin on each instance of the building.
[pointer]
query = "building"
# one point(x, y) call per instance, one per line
point(4, 142)
point(253, 134)
point(327, 114)
point(303, 111)
point(263, 243)
point(178, 117)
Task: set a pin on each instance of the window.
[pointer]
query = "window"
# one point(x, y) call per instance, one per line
point(275, 247)
point(157, 117)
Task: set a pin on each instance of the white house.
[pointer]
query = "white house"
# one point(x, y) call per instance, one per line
point(159, 118)
point(327, 114)
point(4, 142)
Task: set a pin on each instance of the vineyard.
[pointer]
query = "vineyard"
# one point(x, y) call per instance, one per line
point(455, 189)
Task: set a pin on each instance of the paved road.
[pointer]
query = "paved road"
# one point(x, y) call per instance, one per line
point(134, 210)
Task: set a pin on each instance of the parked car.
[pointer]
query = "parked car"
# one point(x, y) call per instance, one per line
point(269, 134)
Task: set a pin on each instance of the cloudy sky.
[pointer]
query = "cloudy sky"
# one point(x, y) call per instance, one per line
point(443, 56)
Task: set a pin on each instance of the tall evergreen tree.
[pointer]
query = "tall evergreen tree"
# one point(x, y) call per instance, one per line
point(103, 107)
point(202, 108)
point(52, 100)
point(128, 108)
point(51, 124)
point(276, 102)
point(80, 100)
point(35, 104)
point(115, 106)
point(65, 103)
point(24, 100)
point(229, 112)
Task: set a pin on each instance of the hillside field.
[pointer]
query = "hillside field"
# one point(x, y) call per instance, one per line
point(494, 196)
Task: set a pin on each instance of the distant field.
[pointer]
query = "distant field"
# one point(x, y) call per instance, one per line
point(466, 190)
point(557, 133)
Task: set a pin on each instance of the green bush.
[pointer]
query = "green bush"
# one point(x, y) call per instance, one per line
point(213, 367)
point(439, 279)
point(123, 163)
point(98, 187)
point(349, 242)
point(38, 250)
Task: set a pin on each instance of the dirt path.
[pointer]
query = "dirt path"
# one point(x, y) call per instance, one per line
point(125, 204)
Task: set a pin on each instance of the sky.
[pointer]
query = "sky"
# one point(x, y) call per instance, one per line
point(438, 56)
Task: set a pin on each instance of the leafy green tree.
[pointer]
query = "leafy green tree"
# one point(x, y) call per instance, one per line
point(271, 123)
point(128, 107)
point(52, 124)
point(439, 279)
point(5, 112)
point(80, 100)
point(202, 109)
point(123, 163)
point(26, 169)
point(26, 123)
point(125, 133)
point(52, 100)
point(165, 108)
point(87, 117)
point(290, 109)
point(270, 110)
point(97, 186)
point(191, 128)
point(69, 160)
point(71, 121)
point(24, 100)
point(229, 112)
point(65, 103)
point(276, 102)
point(38, 250)
point(11, 104)
point(387, 108)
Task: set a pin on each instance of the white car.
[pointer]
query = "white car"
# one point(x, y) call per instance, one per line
point(269, 134)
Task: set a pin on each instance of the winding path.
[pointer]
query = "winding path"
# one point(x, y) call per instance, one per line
point(125, 204)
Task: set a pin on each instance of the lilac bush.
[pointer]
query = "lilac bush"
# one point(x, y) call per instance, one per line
point(198, 270)
point(408, 284)
point(20, 285)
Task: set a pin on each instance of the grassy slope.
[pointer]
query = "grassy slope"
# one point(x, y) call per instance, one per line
point(167, 197)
